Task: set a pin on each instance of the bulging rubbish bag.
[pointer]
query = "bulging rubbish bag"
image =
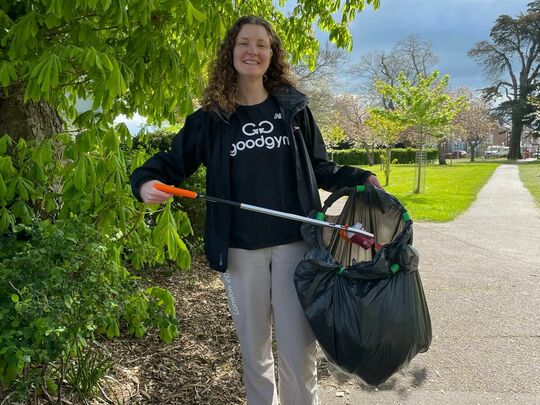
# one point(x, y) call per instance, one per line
point(366, 308)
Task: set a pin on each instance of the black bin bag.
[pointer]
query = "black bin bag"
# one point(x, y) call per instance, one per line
point(366, 308)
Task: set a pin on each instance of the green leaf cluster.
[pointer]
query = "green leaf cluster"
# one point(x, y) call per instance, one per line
point(25, 173)
point(142, 56)
point(386, 129)
point(425, 106)
point(333, 133)
point(64, 286)
point(88, 179)
point(322, 13)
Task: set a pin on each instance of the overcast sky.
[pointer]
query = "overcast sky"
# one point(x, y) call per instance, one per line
point(451, 26)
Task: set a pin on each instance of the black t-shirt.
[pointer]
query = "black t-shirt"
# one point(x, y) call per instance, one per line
point(262, 173)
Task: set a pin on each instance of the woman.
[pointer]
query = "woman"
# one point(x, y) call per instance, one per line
point(260, 145)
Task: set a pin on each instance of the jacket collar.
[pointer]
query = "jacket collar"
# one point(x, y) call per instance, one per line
point(288, 97)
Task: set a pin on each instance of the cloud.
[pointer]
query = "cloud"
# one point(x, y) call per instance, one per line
point(452, 27)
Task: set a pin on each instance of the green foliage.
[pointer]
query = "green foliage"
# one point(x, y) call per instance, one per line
point(387, 131)
point(148, 144)
point(359, 156)
point(86, 370)
point(333, 134)
point(65, 285)
point(89, 179)
point(68, 224)
point(140, 55)
point(424, 105)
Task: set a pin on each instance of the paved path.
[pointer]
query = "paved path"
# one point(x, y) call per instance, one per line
point(481, 275)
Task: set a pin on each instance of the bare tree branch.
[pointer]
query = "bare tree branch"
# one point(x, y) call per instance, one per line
point(329, 62)
point(411, 56)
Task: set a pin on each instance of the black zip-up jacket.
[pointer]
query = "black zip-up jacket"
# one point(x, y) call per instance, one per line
point(207, 139)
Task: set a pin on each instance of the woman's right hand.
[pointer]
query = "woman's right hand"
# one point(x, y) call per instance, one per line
point(151, 195)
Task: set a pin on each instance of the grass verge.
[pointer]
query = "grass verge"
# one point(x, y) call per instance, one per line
point(529, 173)
point(449, 190)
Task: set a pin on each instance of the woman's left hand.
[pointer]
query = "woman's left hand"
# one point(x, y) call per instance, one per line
point(374, 181)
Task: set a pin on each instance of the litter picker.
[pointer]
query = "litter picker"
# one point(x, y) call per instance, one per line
point(366, 237)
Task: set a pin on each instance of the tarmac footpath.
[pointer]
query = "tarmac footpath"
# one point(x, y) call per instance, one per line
point(481, 276)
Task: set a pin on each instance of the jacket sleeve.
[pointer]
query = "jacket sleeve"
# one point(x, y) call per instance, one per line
point(330, 176)
point(187, 153)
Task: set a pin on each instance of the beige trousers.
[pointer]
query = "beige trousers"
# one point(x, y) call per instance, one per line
point(259, 284)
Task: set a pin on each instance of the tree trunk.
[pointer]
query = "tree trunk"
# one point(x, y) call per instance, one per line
point(440, 150)
point(369, 154)
point(27, 120)
point(473, 150)
point(418, 180)
point(388, 163)
point(517, 127)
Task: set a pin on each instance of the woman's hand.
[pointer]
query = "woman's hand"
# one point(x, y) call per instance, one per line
point(374, 181)
point(151, 195)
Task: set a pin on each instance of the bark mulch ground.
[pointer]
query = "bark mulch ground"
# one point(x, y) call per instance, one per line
point(201, 366)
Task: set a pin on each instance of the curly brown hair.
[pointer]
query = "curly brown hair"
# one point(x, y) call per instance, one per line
point(222, 89)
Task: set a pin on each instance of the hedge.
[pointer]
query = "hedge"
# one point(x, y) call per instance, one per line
point(359, 156)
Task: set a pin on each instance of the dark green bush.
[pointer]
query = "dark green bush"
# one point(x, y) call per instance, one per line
point(68, 225)
point(63, 286)
point(359, 156)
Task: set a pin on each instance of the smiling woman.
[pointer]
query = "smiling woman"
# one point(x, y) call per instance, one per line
point(258, 140)
point(252, 51)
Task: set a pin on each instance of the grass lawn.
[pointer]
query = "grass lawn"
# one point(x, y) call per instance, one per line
point(449, 191)
point(529, 173)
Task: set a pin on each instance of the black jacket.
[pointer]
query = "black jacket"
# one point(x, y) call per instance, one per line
point(207, 139)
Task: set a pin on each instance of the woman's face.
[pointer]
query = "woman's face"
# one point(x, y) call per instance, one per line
point(252, 52)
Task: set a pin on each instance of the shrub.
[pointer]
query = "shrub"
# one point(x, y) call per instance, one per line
point(359, 156)
point(69, 231)
point(64, 286)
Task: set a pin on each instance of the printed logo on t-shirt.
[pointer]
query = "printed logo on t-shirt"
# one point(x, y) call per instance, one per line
point(259, 136)
point(264, 127)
